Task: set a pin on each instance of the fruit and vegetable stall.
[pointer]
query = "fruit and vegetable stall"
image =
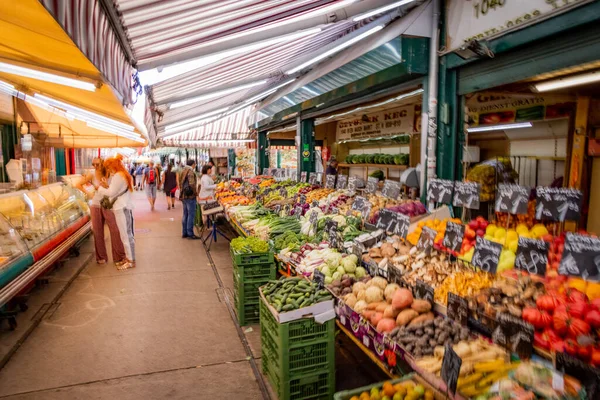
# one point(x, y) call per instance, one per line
point(448, 307)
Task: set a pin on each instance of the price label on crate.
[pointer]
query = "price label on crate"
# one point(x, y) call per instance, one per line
point(303, 176)
point(352, 184)
point(387, 220)
point(314, 221)
point(532, 256)
point(402, 225)
point(366, 211)
point(277, 209)
point(266, 171)
point(333, 210)
point(451, 368)
point(330, 225)
point(558, 204)
point(440, 191)
point(514, 334)
point(426, 239)
point(391, 189)
point(372, 184)
point(357, 249)
point(486, 255)
point(466, 194)
point(587, 374)
point(458, 308)
point(319, 278)
point(330, 181)
point(283, 192)
point(454, 235)
point(312, 178)
point(342, 182)
point(315, 203)
point(581, 257)
point(512, 199)
point(298, 212)
point(424, 291)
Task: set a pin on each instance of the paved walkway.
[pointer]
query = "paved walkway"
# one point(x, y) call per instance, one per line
point(162, 330)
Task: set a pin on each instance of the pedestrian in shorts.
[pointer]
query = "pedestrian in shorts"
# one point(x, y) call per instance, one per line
point(152, 182)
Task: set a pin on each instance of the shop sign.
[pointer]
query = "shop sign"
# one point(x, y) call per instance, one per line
point(488, 108)
point(385, 123)
point(489, 19)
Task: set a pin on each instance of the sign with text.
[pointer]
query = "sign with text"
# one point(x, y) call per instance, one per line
point(532, 256)
point(312, 178)
point(514, 334)
point(454, 235)
point(581, 257)
point(303, 176)
point(372, 185)
point(298, 212)
point(384, 123)
point(387, 220)
point(486, 255)
point(402, 225)
point(426, 239)
point(458, 308)
point(424, 291)
point(359, 203)
point(587, 374)
point(486, 19)
point(466, 194)
point(558, 204)
point(391, 189)
point(440, 191)
point(512, 199)
point(330, 181)
point(342, 182)
point(451, 368)
point(352, 184)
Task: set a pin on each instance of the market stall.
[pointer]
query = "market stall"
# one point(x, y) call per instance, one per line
point(409, 287)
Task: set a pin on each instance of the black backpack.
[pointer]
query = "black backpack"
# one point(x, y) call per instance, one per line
point(187, 190)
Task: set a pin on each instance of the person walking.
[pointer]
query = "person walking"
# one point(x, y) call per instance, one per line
point(101, 216)
point(152, 182)
point(207, 188)
point(170, 185)
point(118, 193)
point(188, 185)
point(139, 177)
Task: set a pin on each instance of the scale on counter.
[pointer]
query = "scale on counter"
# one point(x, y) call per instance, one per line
point(410, 178)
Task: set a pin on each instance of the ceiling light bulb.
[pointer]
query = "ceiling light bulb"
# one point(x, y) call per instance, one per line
point(46, 77)
point(570, 81)
point(502, 127)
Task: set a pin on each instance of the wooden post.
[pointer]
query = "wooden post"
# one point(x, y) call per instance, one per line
point(577, 156)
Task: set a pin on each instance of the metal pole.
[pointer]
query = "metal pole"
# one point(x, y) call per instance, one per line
point(429, 116)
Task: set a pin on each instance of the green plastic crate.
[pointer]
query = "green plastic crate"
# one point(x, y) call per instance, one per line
point(241, 259)
point(247, 311)
point(255, 271)
point(300, 331)
point(296, 360)
point(314, 386)
point(247, 289)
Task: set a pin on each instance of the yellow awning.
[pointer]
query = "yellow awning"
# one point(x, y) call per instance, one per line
point(31, 38)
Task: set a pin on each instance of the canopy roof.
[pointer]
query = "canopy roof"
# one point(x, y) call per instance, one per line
point(32, 39)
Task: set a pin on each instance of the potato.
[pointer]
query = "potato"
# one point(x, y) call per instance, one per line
point(422, 318)
point(421, 306)
point(406, 316)
point(381, 307)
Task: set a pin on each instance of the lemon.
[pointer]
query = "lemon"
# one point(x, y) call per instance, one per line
point(500, 233)
point(491, 229)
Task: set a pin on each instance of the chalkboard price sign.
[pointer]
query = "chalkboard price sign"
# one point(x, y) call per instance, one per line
point(357, 250)
point(372, 184)
point(514, 334)
point(283, 192)
point(426, 239)
point(453, 236)
point(532, 256)
point(366, 211)
point(302, 199)
point(391, 189)
point(512, 199)
point(581, 257)
point(277, 209)
point(440, 191)
point(451, 368)
point(352, 184)
point(312, 178)
point(330, 181)
point(342, 182)
point(558, 204)
point(319, 278)
point(265, 171)
point(458, 309)
point(587, 375)
point(403, 223)
point(486, 255)
point(303, 176)
point(424, 291)
point(387, 221)
point(298, 212)
point(359, 203)
point(466, 194)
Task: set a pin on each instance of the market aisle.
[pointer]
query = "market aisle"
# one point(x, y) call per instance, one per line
point(158, 331)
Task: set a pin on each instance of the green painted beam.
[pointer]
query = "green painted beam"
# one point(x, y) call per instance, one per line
point(414, 65)
point(576, 18)
point(306, 162)
point(262, 151)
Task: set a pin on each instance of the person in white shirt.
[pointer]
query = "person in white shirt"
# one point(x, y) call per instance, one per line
point(207, 188)
point(119, 192)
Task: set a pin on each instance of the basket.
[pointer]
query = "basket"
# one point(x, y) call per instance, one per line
point(242, 259)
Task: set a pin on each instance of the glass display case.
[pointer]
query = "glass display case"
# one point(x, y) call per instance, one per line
point(68, 202)
point(11, 244)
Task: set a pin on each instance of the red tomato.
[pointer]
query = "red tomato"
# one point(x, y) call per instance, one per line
point(545, 319)
point(593, 318)
point(558, 346)
point(595, 359)
point(571, 347)
point(541, 340)
point(574, 295)
point(596, 303)
point(533, 316)
point(584, 352)
point(577, 309)
point(547, 302)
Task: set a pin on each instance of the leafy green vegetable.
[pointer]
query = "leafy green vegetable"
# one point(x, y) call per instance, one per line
point(249, 245)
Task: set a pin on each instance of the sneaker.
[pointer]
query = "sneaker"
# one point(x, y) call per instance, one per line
point(184, 236)
point(101, 261)
point(194, 237)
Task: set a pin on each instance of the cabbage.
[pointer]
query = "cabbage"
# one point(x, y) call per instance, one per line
point(336, 276)
point(360, 272)
point(354, 258)
point(349, 264)
point(333, 259)
point(328, 280)
point(341, 269)
point(326, 271)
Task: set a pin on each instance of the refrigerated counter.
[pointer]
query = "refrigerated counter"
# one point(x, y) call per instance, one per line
point(37, 227)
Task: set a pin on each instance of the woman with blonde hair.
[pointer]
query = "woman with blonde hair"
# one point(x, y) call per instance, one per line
point(116, 196)
point(101, 216)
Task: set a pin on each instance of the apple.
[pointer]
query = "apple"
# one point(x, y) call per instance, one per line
point(469, 233)
point(480, 232)
point(474, 225)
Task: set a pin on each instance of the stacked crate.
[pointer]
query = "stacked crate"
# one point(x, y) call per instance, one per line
point(298, 357)
point(250, 271)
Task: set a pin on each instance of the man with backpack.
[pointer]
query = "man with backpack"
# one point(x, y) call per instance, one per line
point(188, 184)
point(152, 182)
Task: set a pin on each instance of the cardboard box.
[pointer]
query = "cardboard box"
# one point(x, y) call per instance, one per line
point(324, 307)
